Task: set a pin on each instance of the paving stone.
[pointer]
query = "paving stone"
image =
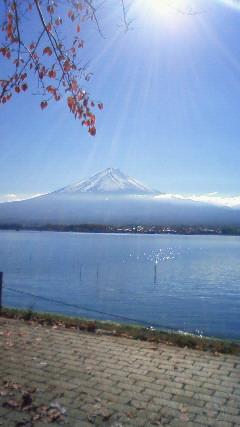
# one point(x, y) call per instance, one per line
point(108, 381)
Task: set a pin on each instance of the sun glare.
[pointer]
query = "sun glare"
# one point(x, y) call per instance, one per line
point(169, 12)
point(232, 3)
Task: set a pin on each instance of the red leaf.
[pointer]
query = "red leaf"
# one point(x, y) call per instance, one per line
point(71, 103)
point(51, 89)
point(92, 131)
point(78, 29)
point(52, 74)
point(67, 66)
point(43, 105)
point(74, 86)
point(24, 87)
point(50, 9)
point(47, 50)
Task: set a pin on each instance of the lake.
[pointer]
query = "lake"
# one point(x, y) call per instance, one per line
point(186, 283)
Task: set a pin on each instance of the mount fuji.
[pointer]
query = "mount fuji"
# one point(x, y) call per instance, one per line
point(107, 181)
point(113, 198)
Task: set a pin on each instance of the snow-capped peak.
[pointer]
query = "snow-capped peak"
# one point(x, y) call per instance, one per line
point(109, 180)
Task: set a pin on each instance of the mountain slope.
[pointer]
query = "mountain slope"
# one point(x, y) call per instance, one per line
point(107, 181)
point(110, 197)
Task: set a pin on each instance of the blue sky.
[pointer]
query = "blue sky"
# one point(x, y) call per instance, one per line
point(171, 93)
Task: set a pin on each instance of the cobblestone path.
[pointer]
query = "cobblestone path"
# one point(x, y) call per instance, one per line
point(53, 376)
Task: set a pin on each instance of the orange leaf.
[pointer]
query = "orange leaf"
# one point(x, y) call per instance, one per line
point(51, 89)
point(67, 66)
point(78, 28)
point(74, 86)
point(92, 131)
point(47, 50)
point(52, 74)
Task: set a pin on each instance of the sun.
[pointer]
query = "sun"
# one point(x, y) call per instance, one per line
point(161, 6)
point(170, 12)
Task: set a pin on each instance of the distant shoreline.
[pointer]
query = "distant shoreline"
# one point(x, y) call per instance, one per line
point(129, 229)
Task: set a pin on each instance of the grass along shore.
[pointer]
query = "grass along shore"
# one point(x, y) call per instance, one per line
point(135, 332)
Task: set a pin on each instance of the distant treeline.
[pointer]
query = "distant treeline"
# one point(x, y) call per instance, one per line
point(140, 229)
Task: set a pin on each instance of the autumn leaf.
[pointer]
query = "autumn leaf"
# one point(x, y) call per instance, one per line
point(47, 51)
point(54, 59)
point(67, 66)
point(43, 105)
point(92, 131)
point(52, 74)
point(50, 10)
point(74, 86)
point(58, 21)
point(11, 404)
point(26, 400)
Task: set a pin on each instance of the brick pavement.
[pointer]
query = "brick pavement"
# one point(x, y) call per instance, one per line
point(53, 376)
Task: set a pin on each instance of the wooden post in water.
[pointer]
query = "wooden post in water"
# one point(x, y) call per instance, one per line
point(1, 280)
point(155, 273)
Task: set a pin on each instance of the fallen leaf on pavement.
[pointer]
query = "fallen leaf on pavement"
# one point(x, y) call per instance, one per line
point(56, 405)
point(26, 401)
point(184, 417)
point(10, 404)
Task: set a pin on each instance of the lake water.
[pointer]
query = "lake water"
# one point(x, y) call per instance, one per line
point(187, 283)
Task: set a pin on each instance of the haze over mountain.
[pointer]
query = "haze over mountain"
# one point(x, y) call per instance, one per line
point(110, 197)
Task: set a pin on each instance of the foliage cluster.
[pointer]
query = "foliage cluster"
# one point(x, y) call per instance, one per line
point(50, 55)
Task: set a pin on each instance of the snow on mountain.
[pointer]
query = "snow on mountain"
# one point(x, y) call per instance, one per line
point(107, 181)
